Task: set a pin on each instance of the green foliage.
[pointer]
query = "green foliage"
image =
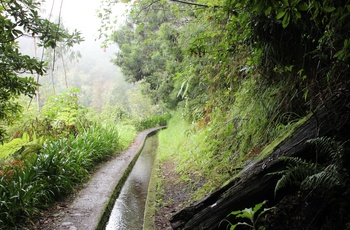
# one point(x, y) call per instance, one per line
point(295, 173)
point(242, 71)
point(127, 133)
point(253, 120)
point(61, 116)
point(154, 121)
point(307, 175)
point(21, 146)
point(317, 27)
point(170, 137)
point(250, 214)
point(150, 50)
point(186, 146)
point(117, 117)
point(28, 186)
point(11, 147)
point(214, 49)
point(17, 19)
point(62, 107)
point(176, 145)
point(210, 51)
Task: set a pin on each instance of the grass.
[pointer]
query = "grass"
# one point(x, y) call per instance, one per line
point(187, 146)
point(170, 138)
point(127, 133)
point(215, 152)
point(154, 121)
point(288, 131)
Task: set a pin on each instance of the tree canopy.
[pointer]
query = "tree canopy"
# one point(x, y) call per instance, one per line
point(249, 67)
point(187, 50)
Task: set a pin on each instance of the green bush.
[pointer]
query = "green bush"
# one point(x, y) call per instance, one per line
point(29, 186)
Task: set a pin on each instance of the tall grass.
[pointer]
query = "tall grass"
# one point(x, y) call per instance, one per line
point(154, 121)
point(171, 138)
point(30, 186)
point(186, 145)
point(217, 147)
point(127, 133)
point(255, 118)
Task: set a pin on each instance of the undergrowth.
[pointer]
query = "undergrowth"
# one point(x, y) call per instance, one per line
point(27, 186)
point(153, 121)
point(127, 133)
point(185, 145)
point(251, 122)
point(212, 151)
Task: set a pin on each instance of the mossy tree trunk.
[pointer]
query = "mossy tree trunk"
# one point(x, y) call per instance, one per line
point(254, 185)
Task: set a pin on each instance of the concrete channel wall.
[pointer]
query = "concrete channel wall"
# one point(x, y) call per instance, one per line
point(92, 205)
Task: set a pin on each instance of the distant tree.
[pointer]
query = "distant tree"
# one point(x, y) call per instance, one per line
point(20, 18)
point(59, 58)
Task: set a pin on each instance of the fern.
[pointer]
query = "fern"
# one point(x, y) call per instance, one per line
point(329, 148)
point(21, 146)
point(325, 179)
point(11, 147)
point(295, 173)
point(310, 175)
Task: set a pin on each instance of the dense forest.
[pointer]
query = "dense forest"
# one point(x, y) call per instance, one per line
point(235, 75)
point(244, 75)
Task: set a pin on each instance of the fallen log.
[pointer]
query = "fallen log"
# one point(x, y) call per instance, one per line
point(254, 185)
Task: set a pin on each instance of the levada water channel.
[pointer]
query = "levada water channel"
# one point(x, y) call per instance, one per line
point(129, 207)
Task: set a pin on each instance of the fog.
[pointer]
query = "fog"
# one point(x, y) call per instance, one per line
point(93, 73)
point(82, 15)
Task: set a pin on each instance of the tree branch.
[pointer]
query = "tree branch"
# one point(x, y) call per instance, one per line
point(195, 4)
point(205, 6)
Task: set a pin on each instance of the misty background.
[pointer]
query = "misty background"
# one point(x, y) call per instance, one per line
point(86, 66)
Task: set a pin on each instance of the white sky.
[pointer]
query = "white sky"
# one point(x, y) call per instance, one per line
point(81, 15)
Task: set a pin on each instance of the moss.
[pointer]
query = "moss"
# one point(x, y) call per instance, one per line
point(271, 147)
point(150, 207)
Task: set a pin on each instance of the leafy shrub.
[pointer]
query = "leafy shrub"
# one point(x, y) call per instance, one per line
point(21, 147)
point(27, 187)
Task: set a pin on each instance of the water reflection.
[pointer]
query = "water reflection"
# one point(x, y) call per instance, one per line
point(129, 207)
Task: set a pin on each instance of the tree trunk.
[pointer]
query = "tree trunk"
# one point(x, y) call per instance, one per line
point(254, 185)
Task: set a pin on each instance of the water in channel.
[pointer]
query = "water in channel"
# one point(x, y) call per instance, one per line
point(128, 210)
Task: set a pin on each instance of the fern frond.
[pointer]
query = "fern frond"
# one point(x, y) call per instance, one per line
point(294, 160)
point(325, 179)
point(11, 147)
point(282, 172)
point(296, 171)
point(328, 147)
point(309, 175)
